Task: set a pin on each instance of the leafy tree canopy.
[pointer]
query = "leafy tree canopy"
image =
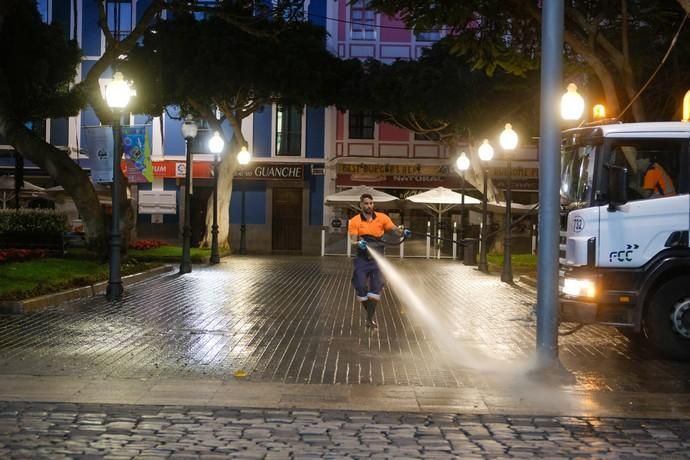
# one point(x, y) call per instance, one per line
point(218, 64)
point(37, 63)
point(442, 96)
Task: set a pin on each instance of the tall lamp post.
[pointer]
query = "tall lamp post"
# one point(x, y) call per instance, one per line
point(508, 141)
point(243, 158)
point(463, 164)
point(215, 145)
point(486, 153)
point(117, 94)
point(189, 130)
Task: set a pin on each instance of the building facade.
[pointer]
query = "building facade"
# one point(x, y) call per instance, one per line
point(299, 156)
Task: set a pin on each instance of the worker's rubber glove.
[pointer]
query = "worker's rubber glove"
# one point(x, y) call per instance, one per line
point(407, 233)
point(362, 245)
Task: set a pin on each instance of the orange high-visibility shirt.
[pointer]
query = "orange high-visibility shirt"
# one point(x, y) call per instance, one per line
point(375, 227)
point(657, 179)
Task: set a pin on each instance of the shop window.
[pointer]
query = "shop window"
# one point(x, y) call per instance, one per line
point(362, 21)
point(361, 125)
point(288, 131)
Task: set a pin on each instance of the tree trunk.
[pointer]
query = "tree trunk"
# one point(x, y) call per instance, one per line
point(226, 172)
point(65, 171)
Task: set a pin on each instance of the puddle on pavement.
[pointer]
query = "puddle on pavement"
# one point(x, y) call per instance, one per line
point(516, 376)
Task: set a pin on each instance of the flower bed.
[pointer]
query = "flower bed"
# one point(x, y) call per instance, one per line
point(19, 255)
point(146, 244)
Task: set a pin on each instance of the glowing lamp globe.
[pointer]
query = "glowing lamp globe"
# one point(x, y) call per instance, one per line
point(117, 92)
point(486, 152)
point(686, 107)
point(572, 104)
point(463, 163)
point(509, 138)
point(244, 157)
point(216, 143)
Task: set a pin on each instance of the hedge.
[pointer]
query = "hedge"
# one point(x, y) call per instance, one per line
point(32, 221)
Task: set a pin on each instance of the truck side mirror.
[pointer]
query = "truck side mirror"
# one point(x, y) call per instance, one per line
point(618, 186)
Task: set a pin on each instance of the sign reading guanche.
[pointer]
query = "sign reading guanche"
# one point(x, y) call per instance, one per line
point(272, 172)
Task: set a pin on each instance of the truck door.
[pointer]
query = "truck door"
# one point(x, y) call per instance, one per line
point(657, 201)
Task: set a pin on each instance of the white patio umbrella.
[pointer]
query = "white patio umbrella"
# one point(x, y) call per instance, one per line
point(351, 196)
point(7, 189)
point(441, 199)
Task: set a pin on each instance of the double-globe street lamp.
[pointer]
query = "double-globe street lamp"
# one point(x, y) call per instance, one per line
point(463, 164)
point(189, 131)
point(486, 153)
point(243, 158)
point(508, 141)
point(117, 95)
point(215, 145)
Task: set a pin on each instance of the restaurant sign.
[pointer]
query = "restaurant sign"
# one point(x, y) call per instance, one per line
point(272, 171)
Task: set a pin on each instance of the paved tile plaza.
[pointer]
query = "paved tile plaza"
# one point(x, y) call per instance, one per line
point(295, 320)
point(268, 357)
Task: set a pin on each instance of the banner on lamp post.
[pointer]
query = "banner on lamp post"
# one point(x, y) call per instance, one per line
point(136, 147)
point(99, 145)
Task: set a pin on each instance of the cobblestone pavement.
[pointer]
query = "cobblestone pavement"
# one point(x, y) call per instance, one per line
point(34, 430)
point(295, 320)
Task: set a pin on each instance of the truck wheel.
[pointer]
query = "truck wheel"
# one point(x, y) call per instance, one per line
point(667, 319)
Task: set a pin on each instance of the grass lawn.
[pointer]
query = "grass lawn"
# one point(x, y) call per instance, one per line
point(524, 264)
point(22, 280)
point(172, 254)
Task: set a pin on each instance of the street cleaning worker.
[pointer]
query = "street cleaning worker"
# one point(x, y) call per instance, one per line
point(365, 230)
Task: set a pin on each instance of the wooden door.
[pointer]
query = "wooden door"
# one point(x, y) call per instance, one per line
point(287, 219)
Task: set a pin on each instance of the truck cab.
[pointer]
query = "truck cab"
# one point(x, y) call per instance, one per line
point(625, 203)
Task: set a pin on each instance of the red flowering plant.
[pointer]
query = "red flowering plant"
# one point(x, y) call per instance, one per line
point(146, 244)
point(15, 255)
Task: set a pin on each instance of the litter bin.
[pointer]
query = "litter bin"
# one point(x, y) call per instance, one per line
point(470, 251)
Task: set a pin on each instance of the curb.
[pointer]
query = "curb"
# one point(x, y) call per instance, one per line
point(48, 300)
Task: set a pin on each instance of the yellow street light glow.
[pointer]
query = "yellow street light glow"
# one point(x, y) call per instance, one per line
point(572, 104)
point(599, 111)
point(486, 151)
point(244, 157)
point(463, 163)
point(508, 138)
point(117, 92)
point(686, 107)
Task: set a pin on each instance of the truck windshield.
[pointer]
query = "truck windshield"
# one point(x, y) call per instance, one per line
point(576, 175)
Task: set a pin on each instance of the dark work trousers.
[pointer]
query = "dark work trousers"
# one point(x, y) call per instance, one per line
point(367, 281)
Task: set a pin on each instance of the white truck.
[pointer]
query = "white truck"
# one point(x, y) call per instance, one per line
point(625, 203)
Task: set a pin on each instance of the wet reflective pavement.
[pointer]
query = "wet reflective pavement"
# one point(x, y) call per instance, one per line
point(84, 378)
point(295, 320)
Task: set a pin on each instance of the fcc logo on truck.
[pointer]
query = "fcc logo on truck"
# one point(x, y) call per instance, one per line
point(578, 224)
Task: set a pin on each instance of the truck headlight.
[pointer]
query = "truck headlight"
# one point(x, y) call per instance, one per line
point(579, 287)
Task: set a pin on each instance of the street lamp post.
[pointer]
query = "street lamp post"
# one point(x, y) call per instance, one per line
point(189, 130)
point(486, 153)
point(215, 145)
point(508, 141)
point(117, 94)
point(243, 158)
point(463, 164)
